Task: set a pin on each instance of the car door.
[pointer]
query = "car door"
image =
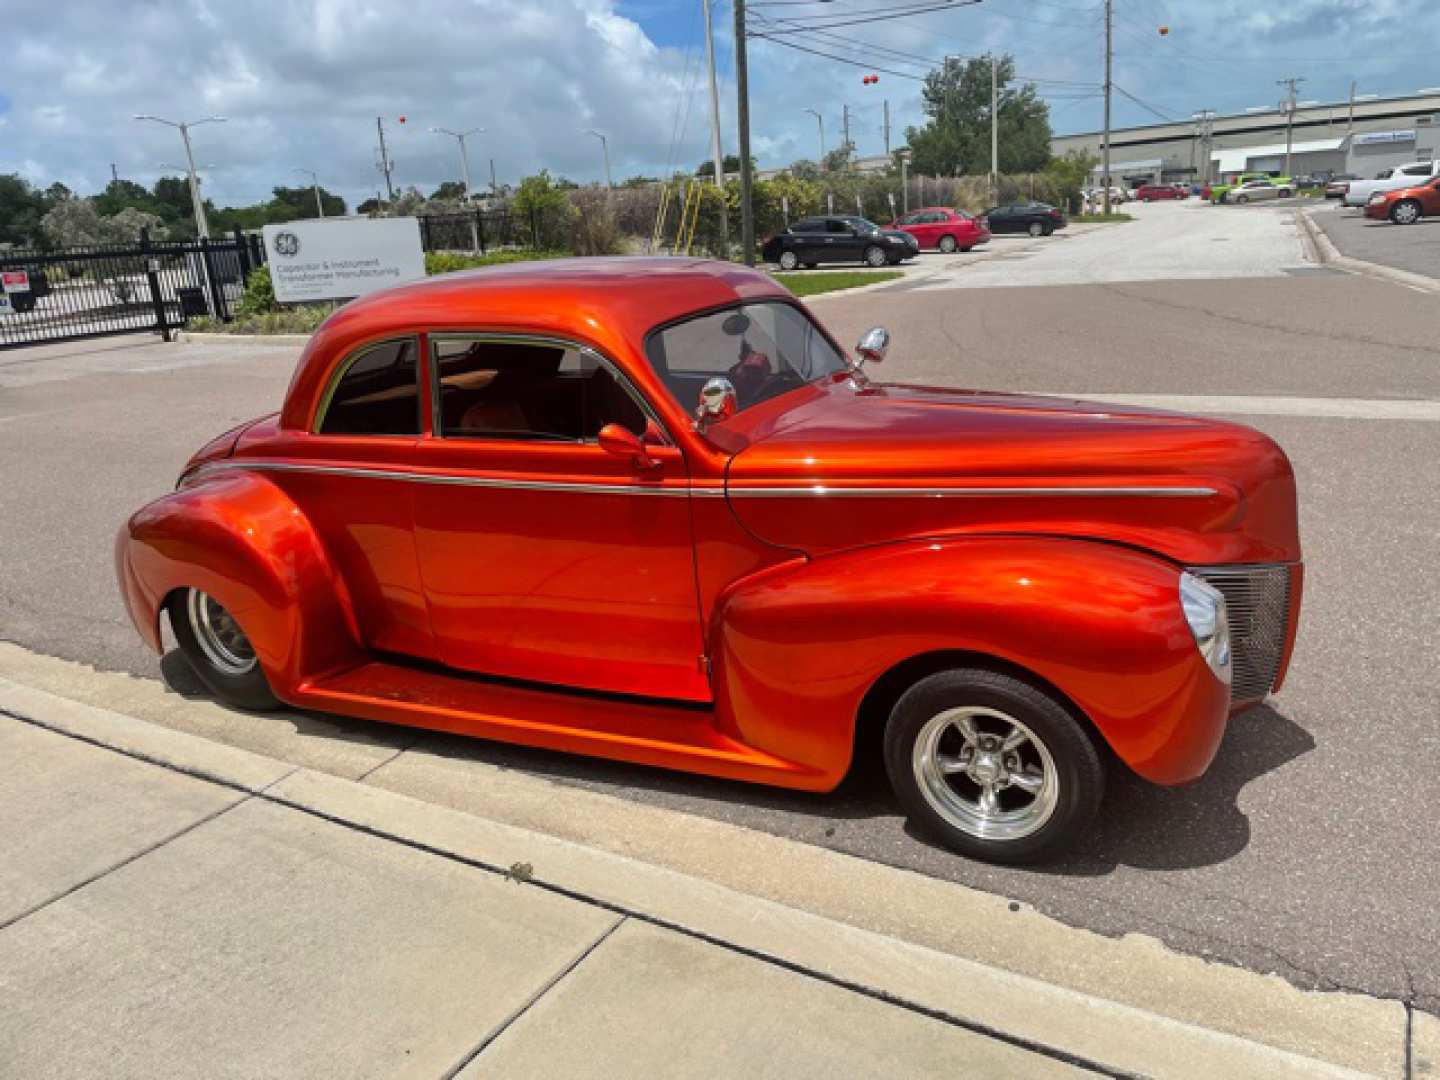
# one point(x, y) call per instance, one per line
point(545, 557)
point(999, 218)
point(808, 239)
point(842, 242)
point(1430, 198)
point(366, 429)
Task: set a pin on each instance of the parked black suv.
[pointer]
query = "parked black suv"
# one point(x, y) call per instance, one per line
point(838, 239)
point(1036, 218)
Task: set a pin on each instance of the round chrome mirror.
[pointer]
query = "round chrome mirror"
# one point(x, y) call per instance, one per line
point(717, 400)
point(873, 346)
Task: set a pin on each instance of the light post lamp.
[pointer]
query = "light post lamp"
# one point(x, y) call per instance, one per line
point(460, 137)
point(315, 187)
point(605, 149)
point(821, 121)
point(201, 226)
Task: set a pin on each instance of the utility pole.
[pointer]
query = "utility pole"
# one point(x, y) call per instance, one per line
point(742, 94)
point(1205, 122)
point(820, 120)
point(887, 127)
point(1109, 58)
point(995, 126)
point(386, 165)
point(716, 150)
point(1350, 126)
point(314, 187)
point(605, 149)
point(115, 174)
point(1289, 106)
point(845, 126)
point(494, 188)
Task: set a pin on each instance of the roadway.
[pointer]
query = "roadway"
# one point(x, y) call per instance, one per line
point(1309, 847)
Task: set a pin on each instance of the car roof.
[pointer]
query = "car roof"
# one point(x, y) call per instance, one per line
point(608, 302)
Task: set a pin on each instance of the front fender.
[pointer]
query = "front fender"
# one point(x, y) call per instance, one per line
point(797, 647)
point(241, 539)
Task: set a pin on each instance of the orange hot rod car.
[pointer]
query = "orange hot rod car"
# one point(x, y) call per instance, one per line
point(490, 505)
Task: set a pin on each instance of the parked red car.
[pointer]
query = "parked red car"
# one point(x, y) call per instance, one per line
point(944, 228)
point(490, 505)
point(1405, 206)
point(1152, 192)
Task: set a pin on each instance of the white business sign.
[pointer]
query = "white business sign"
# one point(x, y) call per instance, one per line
point(338, 258)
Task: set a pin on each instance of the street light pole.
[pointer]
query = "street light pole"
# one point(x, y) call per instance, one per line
point(315, 187)
point(605, 149)
point(995, 128)
point(460, 137)
point(202, 227)
point(716, 150)
point(742, 119)
point(820, 120)
point(1109, 60)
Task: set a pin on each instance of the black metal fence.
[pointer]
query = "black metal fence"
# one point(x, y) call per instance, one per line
point(154, 286)
point(483, 230)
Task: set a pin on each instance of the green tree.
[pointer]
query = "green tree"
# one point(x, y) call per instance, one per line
point(840, 159)
point(955, 141)
point(119, 194)
point(450, 190)
point(1070, 172)
point(21, 209)
point(730, 163)
point(293, 203)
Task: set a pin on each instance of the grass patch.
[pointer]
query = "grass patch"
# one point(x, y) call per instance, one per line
point(1100, 219)
point(812, 284)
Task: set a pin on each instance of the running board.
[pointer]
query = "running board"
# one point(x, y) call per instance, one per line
point(647, 733)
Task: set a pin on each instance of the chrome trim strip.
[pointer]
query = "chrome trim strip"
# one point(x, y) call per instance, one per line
point(444, 478)
point(973, 492)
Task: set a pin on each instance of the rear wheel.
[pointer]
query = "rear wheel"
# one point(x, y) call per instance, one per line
point(1405, 212)
point(1242, 198)
point(991, 766)
point(947, 244)
point(1036, 229)
point(789, 260)
point(874, 256)
point(219, 651)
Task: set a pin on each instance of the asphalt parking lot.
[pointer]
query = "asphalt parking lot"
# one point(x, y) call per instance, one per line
point(1415, 248)
point(1308, 849)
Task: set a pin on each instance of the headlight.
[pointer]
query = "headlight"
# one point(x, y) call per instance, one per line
point(1204, 608)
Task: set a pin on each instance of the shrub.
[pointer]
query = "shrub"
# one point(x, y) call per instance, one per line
point(593, 228)
point(259, 295)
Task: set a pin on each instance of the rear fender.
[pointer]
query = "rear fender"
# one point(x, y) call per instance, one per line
point(241, 539)
point(796, 648)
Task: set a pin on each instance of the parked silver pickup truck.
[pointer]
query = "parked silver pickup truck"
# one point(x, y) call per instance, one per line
point(1411, 175)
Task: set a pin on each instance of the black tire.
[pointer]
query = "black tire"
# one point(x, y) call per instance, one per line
point(1284, 193)
point(1242, 199)
point(947, 245)
point(244, 690)
point(789, 260)
point(1049, 230)
point(1036, 229)
point(1410, 215)
point(1075, 768)
point(875, 256)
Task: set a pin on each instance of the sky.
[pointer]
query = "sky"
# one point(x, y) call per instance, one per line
point(301, 82)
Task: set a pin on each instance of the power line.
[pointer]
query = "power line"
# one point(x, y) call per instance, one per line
point(806, 27)
point(1144, 105)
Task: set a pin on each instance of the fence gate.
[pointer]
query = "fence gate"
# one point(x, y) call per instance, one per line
point(65, 294)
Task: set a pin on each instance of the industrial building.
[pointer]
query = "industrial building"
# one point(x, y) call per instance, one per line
point(1361, 136)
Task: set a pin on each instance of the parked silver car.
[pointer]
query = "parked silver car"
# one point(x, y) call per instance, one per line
point(1255, 190)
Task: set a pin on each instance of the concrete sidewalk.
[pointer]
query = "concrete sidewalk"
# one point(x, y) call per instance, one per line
point(174, 907)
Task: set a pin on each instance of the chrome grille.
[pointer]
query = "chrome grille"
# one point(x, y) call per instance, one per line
point(1257, 600)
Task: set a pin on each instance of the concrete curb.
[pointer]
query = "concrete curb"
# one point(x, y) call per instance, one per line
point(1123, 1038)
point(1330, 255)
point(189, 337)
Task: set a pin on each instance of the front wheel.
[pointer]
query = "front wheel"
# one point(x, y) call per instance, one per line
point(219, 651)
point(1406, 212)
point(874, 256)
point(1036, 229)
point(947, 244)
point(789, 260)
point(1242, 199)
point(992, 766)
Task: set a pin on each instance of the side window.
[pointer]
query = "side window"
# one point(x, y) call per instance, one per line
point(378, 393)
point(836, 225)
point(527, 390)
point(808, 225)
point(911, 219)
point(1416, 170)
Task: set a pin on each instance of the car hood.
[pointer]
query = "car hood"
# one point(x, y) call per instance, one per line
point(841, 467)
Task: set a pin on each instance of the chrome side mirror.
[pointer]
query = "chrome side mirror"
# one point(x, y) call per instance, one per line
point(717, 401)
point(874, 345)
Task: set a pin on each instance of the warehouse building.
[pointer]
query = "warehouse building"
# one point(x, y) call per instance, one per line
point(1361, 137)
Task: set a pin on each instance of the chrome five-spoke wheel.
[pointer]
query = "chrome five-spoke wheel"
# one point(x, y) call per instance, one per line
point(993, 765)
point(986, 773)
point(219, 635)
point(219, 650)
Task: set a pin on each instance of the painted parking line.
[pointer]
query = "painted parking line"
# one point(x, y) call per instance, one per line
point(1319, 408)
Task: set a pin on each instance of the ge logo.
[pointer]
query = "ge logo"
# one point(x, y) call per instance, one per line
point(287, 244)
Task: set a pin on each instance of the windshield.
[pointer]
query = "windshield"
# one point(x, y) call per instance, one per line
point(764, 349)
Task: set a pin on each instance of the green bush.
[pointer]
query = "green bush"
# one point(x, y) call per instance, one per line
point(259, 295)
point(447, 262)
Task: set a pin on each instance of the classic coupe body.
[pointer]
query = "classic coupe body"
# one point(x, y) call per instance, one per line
point(490, 505)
